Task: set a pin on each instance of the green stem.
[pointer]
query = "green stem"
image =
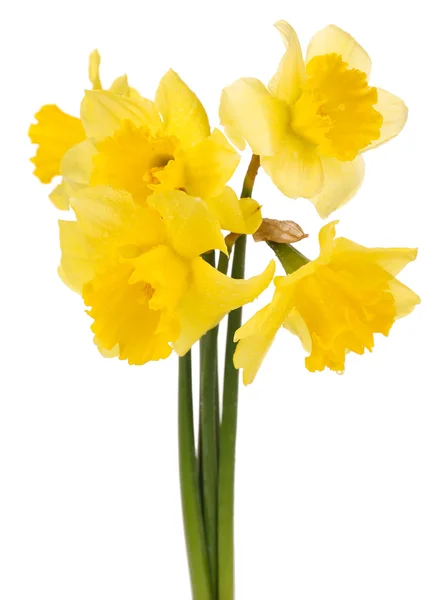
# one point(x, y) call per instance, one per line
point(209, 440)
point(229, 421)
point(189, 485)
point(289, 256)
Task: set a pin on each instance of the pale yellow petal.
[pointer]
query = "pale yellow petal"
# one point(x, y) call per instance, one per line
point(342, 179)
point(288, 82)
point(211, 296)
point(331, 40)
point(182, 112)
point(77, 166)
point(191, 228)
point(234, 214)
point(256, 336)
point(394, 112)
point(76, 266)
point(94, 70)
point(113, 353)
point(60, 197)
point(55, 132)
point(392, 260)
point(209, 165)
point(295, 168)
point(102, 113)
point(405, 299)
point(112, 218)
point(296, 325)
point(327, 235)
point(120, 86)
point(248, 111)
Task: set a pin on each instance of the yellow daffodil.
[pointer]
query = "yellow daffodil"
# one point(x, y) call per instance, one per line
point(334, 304)
point(316, 118)
point(139, 269)
point(133, 144)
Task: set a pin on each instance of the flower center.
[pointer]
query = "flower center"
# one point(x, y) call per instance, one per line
point(136, 161)
point(336, 109)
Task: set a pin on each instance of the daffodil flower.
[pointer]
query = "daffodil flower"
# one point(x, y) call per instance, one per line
point(139, 269)
point(316, 118)
point(334, 304)
point(133, 144)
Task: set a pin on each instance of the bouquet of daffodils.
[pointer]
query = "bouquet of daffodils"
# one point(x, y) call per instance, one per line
point(152, 226)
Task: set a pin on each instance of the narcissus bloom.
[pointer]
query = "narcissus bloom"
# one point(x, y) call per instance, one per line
point(316, 118)
point(133, 144)
point(139, 269)
point(334, 304)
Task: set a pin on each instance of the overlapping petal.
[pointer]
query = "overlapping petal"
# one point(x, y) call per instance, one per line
point(190, 226)
point(234, 214)
point(102, 114)
point(77, 265)
point(77, 166)
point(210, 297)
point(182, 112)
point(395, 114)
point(248, 111)
point(295, 168)
point(341, 181)
point(288, 82)
point(113, 219)
point(209, 165)
point(331, 40)
point(256, 336)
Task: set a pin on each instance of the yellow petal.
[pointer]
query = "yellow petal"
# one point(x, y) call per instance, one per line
point(209, 165)
point(288, 82)
point(113, 353)
point(333, 40)
point(248, 111)
point(405, 299)
point(256, 336)
point(55, 132)
point(103, 112)
point(94, 70)
point(60, 197)
point(76, 267)
point(211, 296)
point(295, 168)
point(342, 179)
point(120, 86)
point(182, 112)
point(235, 215)
point(392, 260)
point(112, 218)
point(296, 325)
point(190, 226)
point(122, 316)
point(77, 165)
point(394, 112)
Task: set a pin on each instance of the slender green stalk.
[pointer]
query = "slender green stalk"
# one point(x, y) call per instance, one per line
point(209, 441)
point(189, 485)
point(229, 421)
point(289, 256)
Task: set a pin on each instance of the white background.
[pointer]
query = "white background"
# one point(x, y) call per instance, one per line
point(341, 480)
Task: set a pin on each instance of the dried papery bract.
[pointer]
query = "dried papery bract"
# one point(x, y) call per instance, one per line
point(282, 232)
